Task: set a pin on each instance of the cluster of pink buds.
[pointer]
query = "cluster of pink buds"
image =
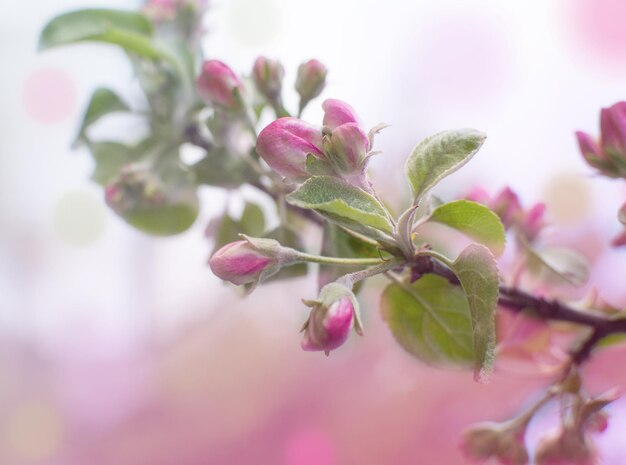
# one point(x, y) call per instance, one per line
point(219, 85)
point(296, 149)
point(608, 153)
point(507, 206)
point(135, 186)
point(333, 315)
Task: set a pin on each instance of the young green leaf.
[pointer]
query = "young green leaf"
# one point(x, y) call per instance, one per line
point(474, 220)
point(440, 155)
point(129, 30)
point(343, 204)
point(103, 101)
point(221, 168)
point(166, 220)
point(109, 158)
point(228, 229)
point(478, 273)
point(431, 320)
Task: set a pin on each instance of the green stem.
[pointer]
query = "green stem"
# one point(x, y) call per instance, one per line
point(305, 257)
point(442, 258)
point(351, 279)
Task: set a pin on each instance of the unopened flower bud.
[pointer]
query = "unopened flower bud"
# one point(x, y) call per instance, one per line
point(251, 260)
point(285, 143)
point(533, 221)
point(507, 206)
point(337, 113)
point(613, 130)
point(565, 447)
point(593, 154)
point(504, 441)
point(333, 315)
point(348, 149)
point(219, 85)
point(268, 77)
point(310, 81)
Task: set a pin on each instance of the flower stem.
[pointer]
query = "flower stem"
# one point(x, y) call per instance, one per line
point(305, 257)
point(351, 279)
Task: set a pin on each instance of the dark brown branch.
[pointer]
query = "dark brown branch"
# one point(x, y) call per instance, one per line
point(517, 300)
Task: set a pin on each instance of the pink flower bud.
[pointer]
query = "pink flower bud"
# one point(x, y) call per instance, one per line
point(310, 81)
point(613, 129)
point(348, 149)
point(285, 143)
point(565, 447)
point(337, 113)
point(534, 221)
point(504, 441)
point(268, 77)
point(219, 85)
point(333, 315)
point(251, 260)
point(507, 206)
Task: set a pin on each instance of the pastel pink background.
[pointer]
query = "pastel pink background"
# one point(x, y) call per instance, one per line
point(120, 349)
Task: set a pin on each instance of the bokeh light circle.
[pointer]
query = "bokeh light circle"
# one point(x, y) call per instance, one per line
point(49, 95)
point(79, 218)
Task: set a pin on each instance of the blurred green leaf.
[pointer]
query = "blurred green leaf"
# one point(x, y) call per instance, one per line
point(131, 31)
point(166, 220)
point(431, 320)
point(251, 223)
point(220, 168)
point(478, 273)
point(103, 101)
point(559, 262)
point(440, 155)
point(474, 220)
point(109, 158)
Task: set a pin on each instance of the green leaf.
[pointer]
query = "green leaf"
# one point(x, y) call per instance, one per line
point(343, 204)
point(559, 262)
point(109, 158)
point(131, 31)
point(251, 223)
point(474, 220)
point(431, 320)
point(622, 214)
point(478, 273)
point(338, 243)
point(440, 155)
point(223, 169)
point(103, 101)
point(166, 220)
point(165, 203)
